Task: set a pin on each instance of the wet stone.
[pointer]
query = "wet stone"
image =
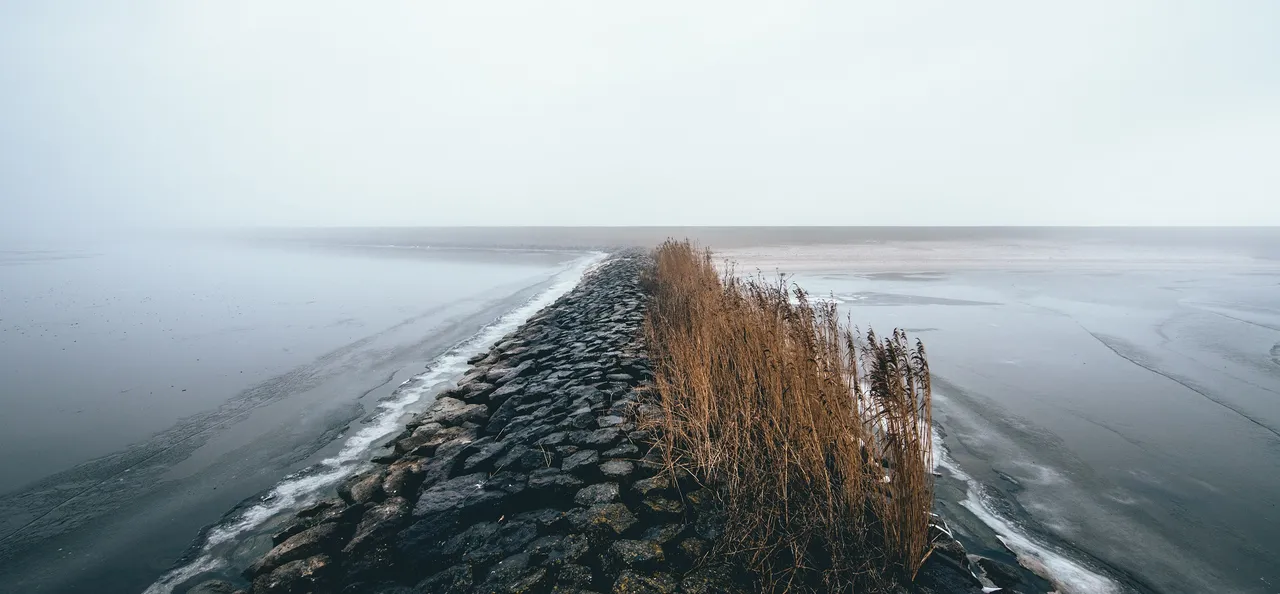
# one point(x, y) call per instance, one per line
point(661, 506)
point(652, 485)
point(304, 544)
point(617, 469)
point(580, 462)
point(632, 582)
point(636, 553)
point(610, 421)
point(612, 516)
point(623, 451)
point(663, 533)
point(597, 494)
point(603, 438)
point(456, 579)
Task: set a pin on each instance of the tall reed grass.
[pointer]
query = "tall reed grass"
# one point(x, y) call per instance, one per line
point(815, 438)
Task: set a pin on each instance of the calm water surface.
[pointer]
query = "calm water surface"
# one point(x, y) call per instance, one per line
point(148, 387)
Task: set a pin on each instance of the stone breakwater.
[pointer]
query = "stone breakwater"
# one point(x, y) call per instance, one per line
point(529, 476)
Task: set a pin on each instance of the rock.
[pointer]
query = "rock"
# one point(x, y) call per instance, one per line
point(711, 579)
point(610, 421)
point(663, 533)
point(296, 577)
point(503, 395)
point(597, 494)
point(636, 553)
point(212, 587)
point(378, 523)
point(456, 579)
point(615, 517)
point(502, 417)
point(403, 477)
point(509, 539)
point(693, 549)
point(632, 582)
point(513, 575)
point(552, 482)
point(1000, 574)
point(451, 412)
point(464, 492)
point(617, 469)
point(622, 451)
point(425, 440)
point(602, 438)
point(523, 458)
point(554, 551)
point(485, 456)
point(580, 462)
point(655, 484)
point(363, 488)
point(309, 542)
point(661, 506)
point(573, 578)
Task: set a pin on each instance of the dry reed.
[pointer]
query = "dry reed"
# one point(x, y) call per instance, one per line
point(816, 440)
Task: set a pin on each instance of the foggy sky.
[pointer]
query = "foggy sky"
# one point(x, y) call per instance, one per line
point(252, 112)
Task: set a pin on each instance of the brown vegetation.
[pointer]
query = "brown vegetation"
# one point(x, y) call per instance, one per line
point(816, 439)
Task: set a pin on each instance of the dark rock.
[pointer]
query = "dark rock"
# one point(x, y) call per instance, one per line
point(378, 523)
point(484, 457)
point(614, 517)
point(597, 494)
point(456, 579)
point(623, 451)
point(602, 438)
point(212, 587)
point(425, 440)
point(451, 412)
point(573, 578)
point(610, 421)
point(711, 579)
point(655, 484)
point(522, 457)
point(693, 549)
point(363, 488)
point(502, 417)
point(632, 582)
point(1000, 574)
point(636, 553)
point(661, 506)
point(511, 538)
point(296, 577)
point(464, 493)
point(663, 533)
point(547, 519)
point(513, 575)
point(309, 542)
point(565, 550)
point(552, 482)
point(503, 395)
point(403, 477)
point(617, 469)
point(581, 462)
point(316, 508)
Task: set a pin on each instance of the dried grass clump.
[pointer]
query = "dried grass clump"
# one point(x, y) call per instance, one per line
point(816, 440)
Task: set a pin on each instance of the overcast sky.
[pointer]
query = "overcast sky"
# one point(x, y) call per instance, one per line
point(274, 112)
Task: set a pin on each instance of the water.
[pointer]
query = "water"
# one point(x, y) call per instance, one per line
point(150, 386)
point(1109, 406)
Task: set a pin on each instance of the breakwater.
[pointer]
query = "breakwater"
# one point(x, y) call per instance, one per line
point(531, 475)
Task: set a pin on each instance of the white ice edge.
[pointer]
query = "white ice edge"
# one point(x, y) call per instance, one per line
point(1067, 575)
point(304, 487)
